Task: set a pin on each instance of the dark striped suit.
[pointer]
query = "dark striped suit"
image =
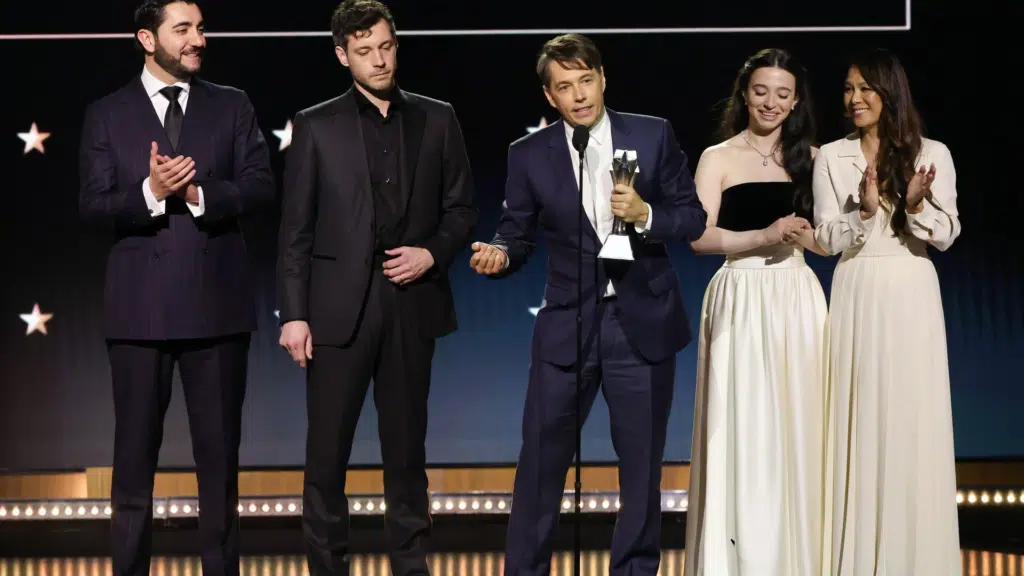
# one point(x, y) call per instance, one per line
point(178, 292)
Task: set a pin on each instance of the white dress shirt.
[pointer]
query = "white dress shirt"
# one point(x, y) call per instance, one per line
point(597, 190)
point(160, 104)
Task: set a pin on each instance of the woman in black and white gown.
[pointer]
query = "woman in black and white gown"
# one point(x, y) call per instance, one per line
point(755, 499)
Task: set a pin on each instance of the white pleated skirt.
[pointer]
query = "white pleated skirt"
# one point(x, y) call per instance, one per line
point(889, 449)
point(756, 476)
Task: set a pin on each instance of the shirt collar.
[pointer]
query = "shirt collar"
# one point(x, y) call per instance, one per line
point(599, 133)
point(394, 97)
point(153, 85)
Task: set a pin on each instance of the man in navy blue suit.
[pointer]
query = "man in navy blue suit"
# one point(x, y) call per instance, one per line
point(633, 319)
point(170, 163)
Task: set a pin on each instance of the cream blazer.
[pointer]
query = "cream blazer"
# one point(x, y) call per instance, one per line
point(838, 171)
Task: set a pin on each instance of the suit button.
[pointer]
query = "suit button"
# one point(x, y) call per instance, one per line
point(156, 256)
point(206, 250)
point(209, 173)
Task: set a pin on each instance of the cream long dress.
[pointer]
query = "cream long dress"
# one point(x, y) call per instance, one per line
point(889, 444)
point(755, 498)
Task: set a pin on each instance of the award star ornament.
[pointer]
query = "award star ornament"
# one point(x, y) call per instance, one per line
point(542, 124)
point(34, 139)
point(36, 321)
point(284, 135)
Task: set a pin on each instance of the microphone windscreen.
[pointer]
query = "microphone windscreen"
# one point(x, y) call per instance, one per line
point(580, 137)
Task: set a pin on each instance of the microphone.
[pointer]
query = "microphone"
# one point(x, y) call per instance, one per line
point(580, 139)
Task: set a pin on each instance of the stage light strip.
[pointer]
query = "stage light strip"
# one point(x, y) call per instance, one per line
point(284, 506)
point(497, 32)
point(1005, 497)
point(512, 31)
point(675, 501)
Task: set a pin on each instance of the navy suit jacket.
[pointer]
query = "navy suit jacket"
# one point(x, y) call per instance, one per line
point(541, 194)
point(175, 276)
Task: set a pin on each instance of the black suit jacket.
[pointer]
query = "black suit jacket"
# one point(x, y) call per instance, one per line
point(327, 233)
point(175, 276)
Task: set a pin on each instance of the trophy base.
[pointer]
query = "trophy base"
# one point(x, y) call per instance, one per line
point(616, 247)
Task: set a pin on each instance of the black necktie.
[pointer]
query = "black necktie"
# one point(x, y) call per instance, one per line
point(175, 116)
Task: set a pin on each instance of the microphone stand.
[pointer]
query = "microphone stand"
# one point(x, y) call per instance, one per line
point(579, 375)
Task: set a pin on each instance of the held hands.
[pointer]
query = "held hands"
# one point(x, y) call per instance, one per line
point(919, 188)
point(408, 264)
point(786, 229)
point(487, 259)
point(170, 176)
point(296, 339)
point(628, 205)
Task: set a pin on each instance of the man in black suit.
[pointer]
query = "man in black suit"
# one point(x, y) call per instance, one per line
point(171, 162)
point(377, 204)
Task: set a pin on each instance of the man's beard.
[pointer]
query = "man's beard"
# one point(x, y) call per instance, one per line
point(172, 65)
point(380, 92)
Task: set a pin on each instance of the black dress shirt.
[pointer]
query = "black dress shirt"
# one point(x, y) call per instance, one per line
point(382, 140)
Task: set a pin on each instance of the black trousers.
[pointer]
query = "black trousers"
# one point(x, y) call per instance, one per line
point(213, 376)
point(391, 353)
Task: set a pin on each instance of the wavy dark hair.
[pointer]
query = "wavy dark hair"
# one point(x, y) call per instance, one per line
point(798, 129)
point(899, 129)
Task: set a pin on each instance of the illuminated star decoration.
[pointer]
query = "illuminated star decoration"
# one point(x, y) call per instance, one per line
point(36, 321)
point(535, 309)
point(542, 124)
point(34, 139)
point(285, 135)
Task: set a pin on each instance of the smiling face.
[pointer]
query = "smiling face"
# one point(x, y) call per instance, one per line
point(577, 92)
point(770, 97)
point(863, 104)
point(178, 44)
point(371, 56)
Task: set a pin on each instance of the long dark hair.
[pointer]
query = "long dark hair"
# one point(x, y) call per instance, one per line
point(899, 129)
point(798, 129)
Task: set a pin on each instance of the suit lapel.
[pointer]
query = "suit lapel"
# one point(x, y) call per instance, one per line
point(197, 116)
point(851, 153)
point(622, 137)
point(349, 132)
point(414, 120)
point(567, 191)
point(151, 125)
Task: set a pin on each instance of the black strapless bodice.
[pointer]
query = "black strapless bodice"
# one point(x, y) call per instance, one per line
point(756, 205)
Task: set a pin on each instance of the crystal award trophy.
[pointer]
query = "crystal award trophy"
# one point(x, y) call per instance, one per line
point(624, 171)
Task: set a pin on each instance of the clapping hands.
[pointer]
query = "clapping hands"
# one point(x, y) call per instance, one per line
point(920, 186)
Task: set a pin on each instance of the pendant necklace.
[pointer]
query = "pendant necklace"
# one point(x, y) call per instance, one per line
point(754, 148)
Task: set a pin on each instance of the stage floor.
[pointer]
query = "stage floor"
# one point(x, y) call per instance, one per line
point(594, 563)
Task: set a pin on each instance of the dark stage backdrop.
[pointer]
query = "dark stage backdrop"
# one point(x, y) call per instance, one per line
point(55, 400)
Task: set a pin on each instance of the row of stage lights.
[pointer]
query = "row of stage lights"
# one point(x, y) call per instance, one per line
point(595, 502)
point(441, 504)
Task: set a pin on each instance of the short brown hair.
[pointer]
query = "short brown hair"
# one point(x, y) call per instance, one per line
point(570, 51)
point(352, 16)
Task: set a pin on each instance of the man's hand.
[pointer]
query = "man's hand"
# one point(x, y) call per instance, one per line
point(190, 194)
point(408, 264)
point(487, 259)
point(628, 205)
point(167, 176)
point(296, 339)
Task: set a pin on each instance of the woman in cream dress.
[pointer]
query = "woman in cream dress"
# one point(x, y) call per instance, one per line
point(756, 471)
point(881, 196)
